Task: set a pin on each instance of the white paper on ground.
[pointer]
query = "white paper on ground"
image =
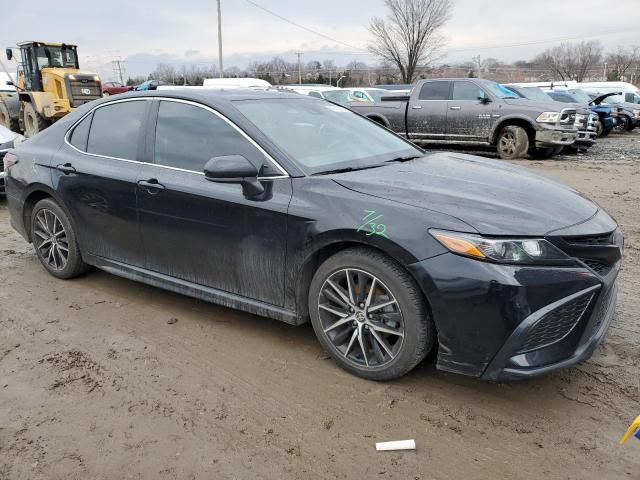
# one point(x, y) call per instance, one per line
point(397, 445)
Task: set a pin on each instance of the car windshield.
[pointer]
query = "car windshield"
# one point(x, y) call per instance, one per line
point(339, 96)
point(535, 93)
point(377, 94)
point(56, 57)
point(499, 91)
point(321, 137)
point(581, 96)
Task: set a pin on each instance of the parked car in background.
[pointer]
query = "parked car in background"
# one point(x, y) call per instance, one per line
point(607, 116)
point(298, 209)
point(628, 113)
point(150, 85)
point(625, 92)
point(113, 88)
point(475, 112)
point(317, 91)
point(369, 94)
point(586, 120)
point(8, 140)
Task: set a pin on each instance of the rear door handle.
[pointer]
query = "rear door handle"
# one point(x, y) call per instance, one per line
point(67, 168)
point(152, 185)
point(455, 108)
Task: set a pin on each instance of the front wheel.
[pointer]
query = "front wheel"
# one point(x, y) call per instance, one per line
point(34, 123)
point(513, 142)
point(54, 240)
point(369, 315)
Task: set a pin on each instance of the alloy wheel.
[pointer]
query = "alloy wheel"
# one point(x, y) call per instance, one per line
point(51, 240)
point(508, 143)
point(361, 318)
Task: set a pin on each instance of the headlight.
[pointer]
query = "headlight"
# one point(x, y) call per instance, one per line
point(71, 77)
point(548, 117)
point(96, 78)
point(529, 251)
point(636, 113)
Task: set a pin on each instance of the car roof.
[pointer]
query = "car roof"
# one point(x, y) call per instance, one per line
point(211, 95)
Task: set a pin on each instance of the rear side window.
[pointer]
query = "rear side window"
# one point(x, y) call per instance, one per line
point(435, 91)
point(80, 134)
point(116, 128)
point(188, 136)
point(467, 91)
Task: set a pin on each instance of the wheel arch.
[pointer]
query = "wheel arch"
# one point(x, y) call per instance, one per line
point(379, 119)
point(514, 121)
point(36, 193)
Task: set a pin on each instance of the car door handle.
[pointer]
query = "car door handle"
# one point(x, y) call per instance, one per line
point(67, 168)
point(152, 185)
point(455, 108)
point(416, 107)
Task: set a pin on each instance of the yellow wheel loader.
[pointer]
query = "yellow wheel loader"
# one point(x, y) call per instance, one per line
point(49, 85)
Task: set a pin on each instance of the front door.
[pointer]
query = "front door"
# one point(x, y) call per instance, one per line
point(95, 175)
point(427, 115)
point(469, 112)
point(209, 233)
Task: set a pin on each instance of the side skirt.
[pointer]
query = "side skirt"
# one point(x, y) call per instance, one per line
point(194, 290)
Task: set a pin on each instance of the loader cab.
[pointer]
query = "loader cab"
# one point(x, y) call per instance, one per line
point(37, 56)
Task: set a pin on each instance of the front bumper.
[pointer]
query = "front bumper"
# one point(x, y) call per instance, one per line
point(586, 138)
point(505, 322)
point(555, 137)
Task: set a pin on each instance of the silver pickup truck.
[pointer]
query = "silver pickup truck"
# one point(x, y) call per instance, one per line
point(475, 112)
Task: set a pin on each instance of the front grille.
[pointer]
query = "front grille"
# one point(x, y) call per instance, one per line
point(568, 117)
point(581, 122)
point(603, 239)
point(84, 91)
point(557, 324)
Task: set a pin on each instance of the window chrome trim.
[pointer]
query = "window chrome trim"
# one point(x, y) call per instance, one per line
point(284, 173)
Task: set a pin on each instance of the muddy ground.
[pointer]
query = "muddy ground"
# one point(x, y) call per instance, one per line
point(104, 378)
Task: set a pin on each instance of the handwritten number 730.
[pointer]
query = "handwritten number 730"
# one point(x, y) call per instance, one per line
point(371, 225)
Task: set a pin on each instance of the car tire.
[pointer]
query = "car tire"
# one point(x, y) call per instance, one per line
point(512, 142)
point(106, 94)
point(544, 153)
point(6, 120)
point(376, 342)
point(626, 124)
point(606, 131)
point(34, 123)
point(52, 233)
point(599, 128)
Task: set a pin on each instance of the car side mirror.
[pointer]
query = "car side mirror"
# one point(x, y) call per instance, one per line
point(484, 100)
point(10, 83)
point(234, 169)
point(9, 52)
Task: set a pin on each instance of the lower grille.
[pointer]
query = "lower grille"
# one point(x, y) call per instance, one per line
point(557, 324)
point(596, 265)
point(604, 239)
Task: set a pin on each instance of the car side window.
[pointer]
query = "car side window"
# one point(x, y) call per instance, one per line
point(188, 136)
point(80, 133)
point(115, 129)
point(467, 91)
point(435, 91)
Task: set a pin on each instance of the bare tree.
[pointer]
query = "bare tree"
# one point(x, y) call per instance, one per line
point(569, 61)
point(622, 61)
point(408, 36)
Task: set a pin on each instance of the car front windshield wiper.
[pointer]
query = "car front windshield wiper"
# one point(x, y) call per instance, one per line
point(403, 159)
point(347, 169)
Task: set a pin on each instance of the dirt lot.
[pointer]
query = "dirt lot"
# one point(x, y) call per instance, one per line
point(103, 378)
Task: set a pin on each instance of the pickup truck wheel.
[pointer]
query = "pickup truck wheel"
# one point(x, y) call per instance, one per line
point(513, 142)
point(599, 128)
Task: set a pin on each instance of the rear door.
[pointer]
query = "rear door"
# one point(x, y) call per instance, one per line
point(209, 233)
point(469, 114)
point(95, 176)
point(427, 115)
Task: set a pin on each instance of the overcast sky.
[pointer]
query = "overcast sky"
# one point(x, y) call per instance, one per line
point(145, 32)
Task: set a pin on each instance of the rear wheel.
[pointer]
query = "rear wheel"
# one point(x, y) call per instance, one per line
point(513, 142)
point(6, 120)
point(54, 240)
point(34, 123)
point(369, 314)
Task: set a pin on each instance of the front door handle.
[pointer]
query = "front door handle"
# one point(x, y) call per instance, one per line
point(67, 168)
point(416, 107)
point(152, 185)
point(455, 108)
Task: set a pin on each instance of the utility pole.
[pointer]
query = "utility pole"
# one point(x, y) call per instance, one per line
point(220, 39)
point(478, 65)
point(118, 67)
point(299, 66)
point(605, 72)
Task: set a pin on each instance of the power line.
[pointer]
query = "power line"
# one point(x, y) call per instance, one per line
point(301, 26)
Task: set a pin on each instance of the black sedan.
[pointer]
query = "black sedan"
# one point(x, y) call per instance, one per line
point(294, 208)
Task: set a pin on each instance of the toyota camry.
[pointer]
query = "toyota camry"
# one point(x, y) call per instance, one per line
point(298, 209)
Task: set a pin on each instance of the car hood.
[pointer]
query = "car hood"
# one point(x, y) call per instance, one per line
point(549, 106)
point(493, 197)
